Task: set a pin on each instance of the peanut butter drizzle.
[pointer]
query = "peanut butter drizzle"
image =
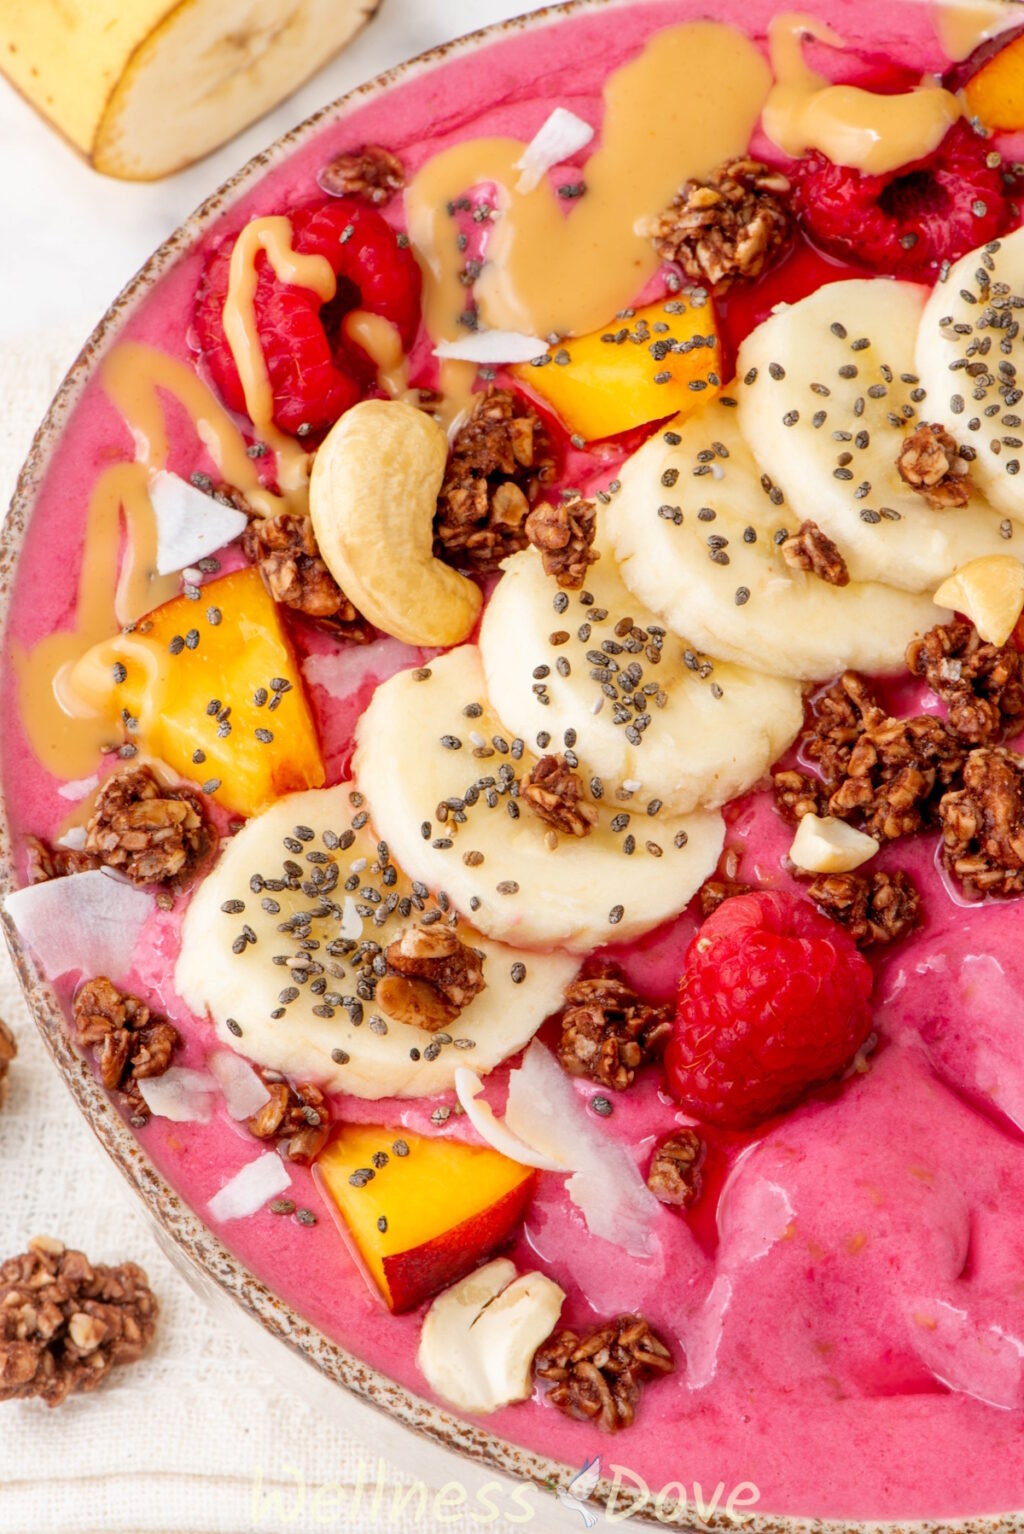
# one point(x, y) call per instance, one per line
point(863, 129)
point(272, 235)
point(961, 25)
point(382, 343)
point(69, 728)
point(688, 101)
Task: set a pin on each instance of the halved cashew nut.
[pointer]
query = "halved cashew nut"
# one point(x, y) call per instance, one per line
point(372, 498)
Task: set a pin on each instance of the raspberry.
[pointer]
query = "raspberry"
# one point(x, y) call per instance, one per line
point(773, 1001)
point(315, 372)
point(907, 222)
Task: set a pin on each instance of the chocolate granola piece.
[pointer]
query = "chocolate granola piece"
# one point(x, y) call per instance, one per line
point(598, 1377)
point(716, 891)
point(286, 553)
point(432, 977)
point(874, 908)
point(565, 536)
point(797, 794)
point(982, 684)
point(729, 227)
point(983, 824)
point(49, 862)
point(64, 1323)
point(674, 1175)
point(812, 550)
point(298, 1115)
point(554, 792)
point(372, 174)
point(838, 723)
point(608, 1032)
point(8, 1051)
point(150, 833)
point(128, 1043)
point(500, 461)
point(930, 463)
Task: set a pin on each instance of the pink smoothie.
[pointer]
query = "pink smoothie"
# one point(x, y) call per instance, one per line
point(846, 1304)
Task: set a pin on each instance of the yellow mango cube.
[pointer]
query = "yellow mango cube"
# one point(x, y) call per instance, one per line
point(663, 361)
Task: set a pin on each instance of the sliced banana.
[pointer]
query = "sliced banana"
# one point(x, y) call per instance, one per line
point(647, 710)
point(970, 355)
point(372, 498)
point(827, 393)
point(306, 1011)
point(697, 539)
point(436, 744)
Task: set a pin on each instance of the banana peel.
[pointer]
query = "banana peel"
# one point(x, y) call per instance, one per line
point(143, 88)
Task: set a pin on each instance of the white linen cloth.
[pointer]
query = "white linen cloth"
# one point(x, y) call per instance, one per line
point(198, 1437)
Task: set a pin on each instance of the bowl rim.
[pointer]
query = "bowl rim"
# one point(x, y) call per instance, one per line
point(209, 1260)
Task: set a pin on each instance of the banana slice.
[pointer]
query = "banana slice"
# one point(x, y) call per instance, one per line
point(306, 1011)
point(372, 497)
point(972, 321)
point(435, 743)
point(697, 537)
point(827, 392)
point(604, 660)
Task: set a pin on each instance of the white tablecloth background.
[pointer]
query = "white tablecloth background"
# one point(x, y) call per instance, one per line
point(175, 1444)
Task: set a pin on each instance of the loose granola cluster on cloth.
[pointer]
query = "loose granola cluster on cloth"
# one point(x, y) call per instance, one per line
point(8, 1052)
point(554, 792)
point(931, 463)
point(674, 1175)
point(299, 1116)
point(64, 1323)
point(286, 553)
point(128, 1042)
point(608, 1032)
point(500, 462)
point(729, 227)
point(373, 174)
point(598, 1377)
point(432, 977)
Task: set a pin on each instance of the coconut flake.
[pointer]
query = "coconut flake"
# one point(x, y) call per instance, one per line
point(560, 137)
point(492, 347)
point(245, 1091)
point(88, 921)
point(189, 524)
point(79, 788)
point(351, 928)
point(344, 671)
point(181, 1095)
point(265, 1178)
point(73, 839)
point(468, 1087)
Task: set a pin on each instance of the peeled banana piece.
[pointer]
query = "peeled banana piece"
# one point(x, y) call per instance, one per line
point(304, 1011)
point(443, 783)
point(828, 392)
point(697, 539)
point(603, 663)
point(145, 87)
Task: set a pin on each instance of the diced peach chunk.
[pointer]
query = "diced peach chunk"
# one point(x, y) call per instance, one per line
point(417, 1213)
point(995, 95)
point(654, 364)
point(191, 675)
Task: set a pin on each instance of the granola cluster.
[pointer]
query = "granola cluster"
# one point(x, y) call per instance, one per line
point(796, 794)
point(874, 908)
point(500, 461)
point(983, 824)
point(812, 550)
point(372, 174)
point(8, 1051)
point(608, 1032)
point(674, 1175)
point(128, 1043)
point(64, 1323)
point(598, 1377)
point(981, 684)
point(715, 891)
point(564, 534)
point(432, 977)
point(728, 228)
point(151, 834)
point(297, 1115)
point(931, 463)
point(554, 792)
point(46, 862)
point(285, 550)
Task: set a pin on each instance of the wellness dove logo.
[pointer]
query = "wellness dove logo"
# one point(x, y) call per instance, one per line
point(580, 1488)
